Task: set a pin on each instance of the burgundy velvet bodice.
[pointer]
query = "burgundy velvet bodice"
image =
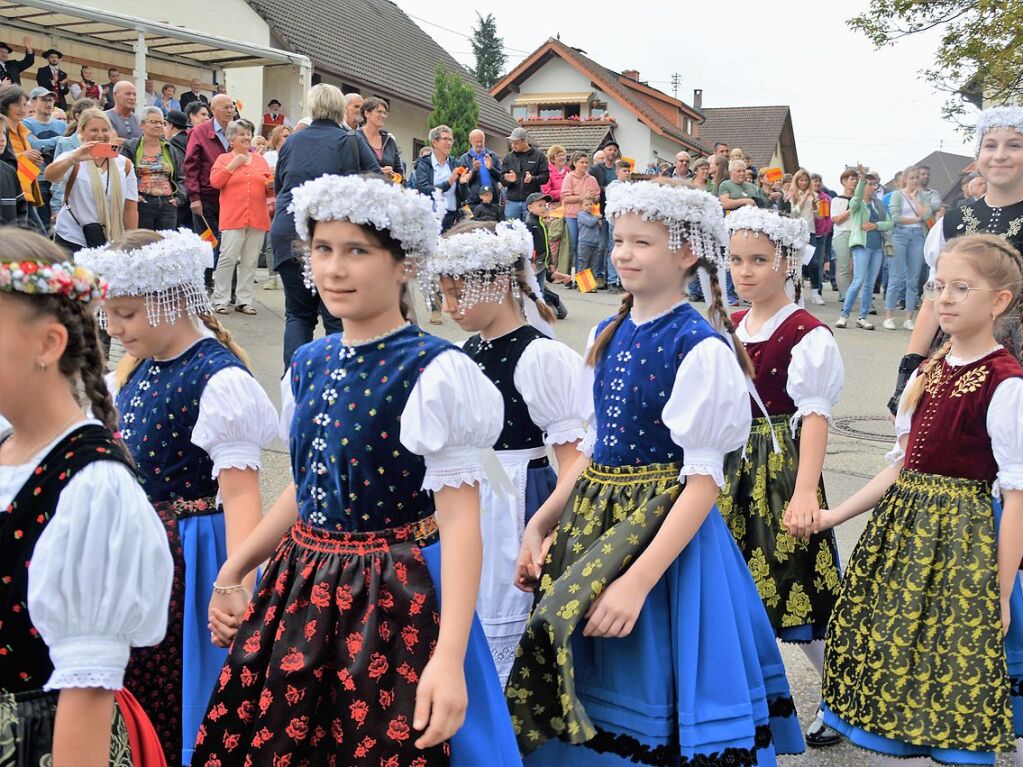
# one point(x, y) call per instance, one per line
point(948, 433)
point(771, 361)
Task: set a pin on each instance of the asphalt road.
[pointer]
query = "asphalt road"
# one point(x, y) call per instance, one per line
point(860, 437)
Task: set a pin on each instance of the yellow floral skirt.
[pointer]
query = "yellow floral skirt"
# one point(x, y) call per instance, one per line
point(797, 580)
point(916, 663)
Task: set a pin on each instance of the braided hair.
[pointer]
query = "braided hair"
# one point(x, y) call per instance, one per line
point(1001, 265)
point(83, 362)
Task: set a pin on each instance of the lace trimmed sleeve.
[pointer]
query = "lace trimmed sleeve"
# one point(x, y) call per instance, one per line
point(453, 414)
point(551, 379)
point(236, 421)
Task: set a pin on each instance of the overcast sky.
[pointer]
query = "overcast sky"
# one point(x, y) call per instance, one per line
point(849, 102)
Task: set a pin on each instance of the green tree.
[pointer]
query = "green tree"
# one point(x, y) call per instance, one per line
point(454, 105)
point(488, 49)
point(980, 54)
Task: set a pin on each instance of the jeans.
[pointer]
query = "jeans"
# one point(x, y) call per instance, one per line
point(906, 267)
point(572, 230)
point(301, 306)
point(240, 247)
point(587, 258)
point(843, 267)
point(816, 265)
point(515, 209)
point(612, 273)
point(157, 213)
point(866, 263)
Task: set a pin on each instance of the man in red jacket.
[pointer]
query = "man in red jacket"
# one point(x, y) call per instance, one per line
point(206, 142)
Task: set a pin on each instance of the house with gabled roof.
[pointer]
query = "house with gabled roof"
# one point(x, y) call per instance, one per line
point(562, 96)
point(764, 133)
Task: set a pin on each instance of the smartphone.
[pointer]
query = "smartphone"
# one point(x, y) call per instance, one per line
point(104, 150)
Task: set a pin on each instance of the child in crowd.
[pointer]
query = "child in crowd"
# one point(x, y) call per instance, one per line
point(361, 646)
point(648, 643)
point(774, 488)
point(544, 265)
point(195, 421)
point(482, 272)
point(925, 645)
point(588, 251)
point(85, 572)
point(487, 210)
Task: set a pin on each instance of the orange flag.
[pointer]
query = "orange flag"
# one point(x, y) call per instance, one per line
point(28, 171)
point(586, 281)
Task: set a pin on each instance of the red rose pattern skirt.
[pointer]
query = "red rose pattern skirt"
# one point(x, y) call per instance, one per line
point(324, 669)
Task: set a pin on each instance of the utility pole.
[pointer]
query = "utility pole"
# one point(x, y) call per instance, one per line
point(676, 80)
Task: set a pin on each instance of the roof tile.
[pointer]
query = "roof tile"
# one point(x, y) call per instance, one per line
point(756, 130)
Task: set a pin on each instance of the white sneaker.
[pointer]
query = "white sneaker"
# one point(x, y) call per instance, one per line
point(862, 323)
point(908, 324)
point(817, 298)
point(272, 283)
point(842, 321)
point(889, 324)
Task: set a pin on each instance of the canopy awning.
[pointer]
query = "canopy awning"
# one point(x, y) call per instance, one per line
point(115, 31)
point(580, 97)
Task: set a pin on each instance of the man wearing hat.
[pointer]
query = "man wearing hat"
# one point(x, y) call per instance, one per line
point(10, 71)
point(176, 129)
point(274, 116)
point(44, 133)
point(53, 78)
point(525, 171)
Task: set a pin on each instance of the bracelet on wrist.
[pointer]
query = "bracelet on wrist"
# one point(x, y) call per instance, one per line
point(218, 589)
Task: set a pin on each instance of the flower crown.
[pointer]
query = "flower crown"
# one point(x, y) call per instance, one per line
point(60, 279)
point(165, 272)
point(408, 216)
point(997, 117)
point(691, 215)
point(789, 235)
point(478, 257)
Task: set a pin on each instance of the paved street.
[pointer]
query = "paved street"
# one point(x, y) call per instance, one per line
point(860, 438)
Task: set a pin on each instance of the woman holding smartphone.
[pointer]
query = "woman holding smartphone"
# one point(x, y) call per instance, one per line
point(100, 188)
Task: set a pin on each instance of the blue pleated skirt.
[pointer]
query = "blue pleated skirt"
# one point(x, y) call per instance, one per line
point(700, 679)
point(204, 549)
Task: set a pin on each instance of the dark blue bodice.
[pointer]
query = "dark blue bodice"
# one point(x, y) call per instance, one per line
point(159, 406)
point(632, 384)
point(351, 471)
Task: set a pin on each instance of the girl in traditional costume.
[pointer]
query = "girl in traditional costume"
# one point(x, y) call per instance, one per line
point(482, 271)
point(85, 572)
point(648, 643)
point(924, 649)
point(774, 488)
point(361, 646)
point(195, 420)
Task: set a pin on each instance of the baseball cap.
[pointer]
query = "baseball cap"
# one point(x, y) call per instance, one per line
point(177, 119)
point(41, 91)
point(519, 134)
point(536, 197)
point(486, 189)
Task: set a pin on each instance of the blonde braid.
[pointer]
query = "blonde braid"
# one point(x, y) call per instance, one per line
point(223, 335)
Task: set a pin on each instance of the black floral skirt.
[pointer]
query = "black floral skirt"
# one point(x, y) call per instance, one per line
point(797, 580)
point(324, 669)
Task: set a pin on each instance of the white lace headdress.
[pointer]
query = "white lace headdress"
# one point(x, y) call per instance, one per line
point(169, 273)
point(997, 117)
point(790, 236)
point(411, 218)
point(479, 258)
point(691, 215)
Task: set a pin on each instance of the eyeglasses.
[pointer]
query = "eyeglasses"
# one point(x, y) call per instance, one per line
point(154, 122)
point(957, 291)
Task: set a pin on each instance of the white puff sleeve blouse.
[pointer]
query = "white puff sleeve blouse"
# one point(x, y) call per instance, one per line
point(549, 376)
point(100, 578)
point(708, 411)
point(236, 421)
point(453, 414)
